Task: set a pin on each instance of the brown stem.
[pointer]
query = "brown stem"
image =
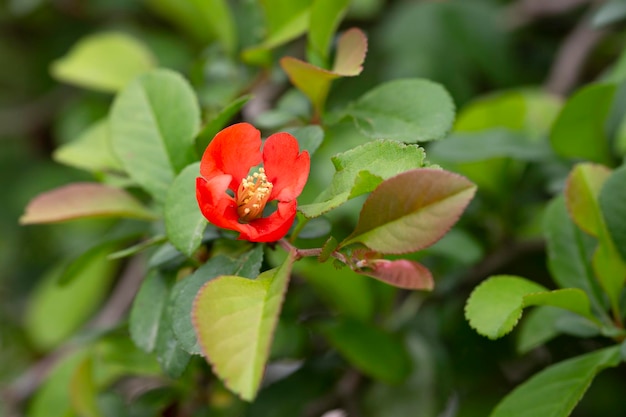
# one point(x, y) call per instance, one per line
point(301, 253)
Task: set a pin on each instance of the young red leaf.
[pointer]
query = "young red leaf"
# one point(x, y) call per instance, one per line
point(411, 211)
point(82, 200)
point(401, 273)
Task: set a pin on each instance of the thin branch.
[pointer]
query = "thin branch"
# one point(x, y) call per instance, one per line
point(571, 57)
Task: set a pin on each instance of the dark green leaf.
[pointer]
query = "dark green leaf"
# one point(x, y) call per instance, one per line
point(184, 223)
point(371, 350)
point(148, 307)
point(612, 202)
point(566, 381)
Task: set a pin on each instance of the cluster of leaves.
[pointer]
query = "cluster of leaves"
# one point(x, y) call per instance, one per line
point(298, 327)
point(204, 292)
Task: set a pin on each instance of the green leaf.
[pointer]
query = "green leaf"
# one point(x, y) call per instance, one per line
point(361, 170)
point(285, 21)
point(220, 120)
point(324, 20)
point(52, 398)
point(234, 319)
point(169, 352)
point(153, 125)
point(538, 327)
point(203, 19)
point(184, 223)
point(581, 195)
point(83, 391)
point(104, 62)
point(566, 381)
point(91, 151)
point(314, 81)
point(411, 211)
point(246, 265)
point(148, 306)
point(410, 110)
point(578, 131)
point(496, 305)
point(371, 350)
point(83, 200)
point(471, 147)
point(612, 200)
point(48, 319)
point(569, 252)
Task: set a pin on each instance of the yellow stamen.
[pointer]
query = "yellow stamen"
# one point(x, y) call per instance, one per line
point(252, 196)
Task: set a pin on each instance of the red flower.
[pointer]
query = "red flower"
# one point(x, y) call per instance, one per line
point(226, 165)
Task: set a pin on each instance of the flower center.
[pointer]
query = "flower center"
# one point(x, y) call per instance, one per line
point(252, 196)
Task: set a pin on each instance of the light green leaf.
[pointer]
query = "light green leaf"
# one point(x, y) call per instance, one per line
point(309, 137)
point(91, 151)
point(104, 62)
point(578, 131)
point(410, 110)
point(184, 223)
point(246, 265)
point(234, 319)
point(148, 306)
point(324, 20)
point(566, 381)
point(371, 350)
point(153, 125)
point(496, 305)
point(83, 200)
point(411, 211)
point(48, 319)
point(362, 169)
point(612, 200)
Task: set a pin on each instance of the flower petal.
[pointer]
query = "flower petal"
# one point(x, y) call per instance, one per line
point(218, 207)
point(285, 166)
point(233, 151)
point(273, 227)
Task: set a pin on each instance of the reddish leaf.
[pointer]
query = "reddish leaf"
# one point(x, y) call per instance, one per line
point(82, 200)
point(412, 210)
point(351, 51)
point(401, 273)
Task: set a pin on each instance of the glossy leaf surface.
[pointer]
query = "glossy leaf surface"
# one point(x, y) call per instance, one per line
point(411, 211)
